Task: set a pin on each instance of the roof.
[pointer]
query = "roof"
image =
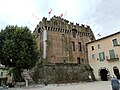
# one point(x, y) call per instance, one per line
point(105, 37)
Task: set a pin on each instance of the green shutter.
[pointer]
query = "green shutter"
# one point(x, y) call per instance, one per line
point(112, 54)
point(115, 43)
point(102, 56)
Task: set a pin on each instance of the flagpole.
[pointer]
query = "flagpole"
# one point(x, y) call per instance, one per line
point(35, 16)
point(65, 14)
point(49, 16)
point(49, 13)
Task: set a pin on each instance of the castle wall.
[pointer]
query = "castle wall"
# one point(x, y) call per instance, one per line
point(64, 40)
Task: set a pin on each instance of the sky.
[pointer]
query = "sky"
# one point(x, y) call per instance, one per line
point(103, 16)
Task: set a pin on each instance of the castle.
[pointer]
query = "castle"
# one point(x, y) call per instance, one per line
point(60, 41)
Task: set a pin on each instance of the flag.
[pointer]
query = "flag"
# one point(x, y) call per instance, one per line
point(50, 11)
point(61, 15)
point(99, 34)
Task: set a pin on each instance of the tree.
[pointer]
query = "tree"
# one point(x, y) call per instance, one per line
point(18, 47)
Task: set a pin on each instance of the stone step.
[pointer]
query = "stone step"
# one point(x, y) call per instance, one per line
point(26, 76)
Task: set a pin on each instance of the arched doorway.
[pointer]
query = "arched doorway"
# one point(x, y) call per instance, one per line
point(103, 74)
point(116, 72)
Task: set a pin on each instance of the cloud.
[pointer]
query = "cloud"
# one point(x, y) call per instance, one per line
point(101, 15)
point(17, 11)
point(107, 16)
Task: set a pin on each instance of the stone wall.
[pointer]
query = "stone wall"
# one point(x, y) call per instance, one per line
point(61, 73)
point(63, 40)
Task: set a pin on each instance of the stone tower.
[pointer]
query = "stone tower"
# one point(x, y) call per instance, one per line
point(60, 41)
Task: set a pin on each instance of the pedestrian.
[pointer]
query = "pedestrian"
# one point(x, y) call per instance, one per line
point(115, 83)
point(45, 83)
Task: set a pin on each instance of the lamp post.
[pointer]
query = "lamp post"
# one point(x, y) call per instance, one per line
point(10, 60)
point(10, 63)
point(1, 65)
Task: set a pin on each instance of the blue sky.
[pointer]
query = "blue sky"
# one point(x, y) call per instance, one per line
point(102, 15)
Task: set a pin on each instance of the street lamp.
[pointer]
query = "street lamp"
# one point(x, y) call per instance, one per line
point(1, 65)
point(10, 60)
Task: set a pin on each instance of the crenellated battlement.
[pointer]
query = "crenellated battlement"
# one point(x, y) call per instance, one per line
point(58, 24)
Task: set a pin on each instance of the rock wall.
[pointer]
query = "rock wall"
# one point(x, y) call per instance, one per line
point(61, 73)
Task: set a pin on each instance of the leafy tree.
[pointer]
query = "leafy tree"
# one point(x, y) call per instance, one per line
point(18, 47)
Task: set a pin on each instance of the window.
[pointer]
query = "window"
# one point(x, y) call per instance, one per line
point(92, 48)
point(64, 61)
point(102, 56)
point(79, 46)
point(73, 46)
point(78, 60)
point(74, 31)
point(93, 56)
point(112, 54)
point(115, 43)
point(74, 34)
point(99, 46)
point(82, 60)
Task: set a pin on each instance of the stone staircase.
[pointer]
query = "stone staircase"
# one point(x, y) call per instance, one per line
point(28, 78)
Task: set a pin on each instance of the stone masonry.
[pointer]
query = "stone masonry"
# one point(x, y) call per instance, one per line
point(60, 41)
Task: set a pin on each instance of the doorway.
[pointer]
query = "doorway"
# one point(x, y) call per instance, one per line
point(103, 74)
point(78, 60)
point(116, 72)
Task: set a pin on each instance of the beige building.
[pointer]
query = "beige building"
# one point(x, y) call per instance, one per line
point(60, 41)
point(3, 75)
point(104, 56)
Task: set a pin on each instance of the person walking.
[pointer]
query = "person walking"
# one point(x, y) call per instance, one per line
point(115, 83)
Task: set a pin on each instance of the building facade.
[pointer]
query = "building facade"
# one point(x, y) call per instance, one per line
point(104, 56)
point(5, 76)
point(60, 41)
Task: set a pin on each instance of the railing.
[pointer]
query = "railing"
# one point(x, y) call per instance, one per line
point(116, 58)
point(28, 80)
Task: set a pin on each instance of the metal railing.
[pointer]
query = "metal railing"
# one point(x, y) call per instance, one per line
point(115, 58)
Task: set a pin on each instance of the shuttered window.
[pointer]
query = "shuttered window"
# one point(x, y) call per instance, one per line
point(112, 54)
point(102, 56)
point(115, 43)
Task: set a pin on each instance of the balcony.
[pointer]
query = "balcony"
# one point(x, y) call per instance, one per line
point(115, 58)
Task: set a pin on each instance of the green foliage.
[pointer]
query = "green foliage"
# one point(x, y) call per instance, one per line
point(18, 47)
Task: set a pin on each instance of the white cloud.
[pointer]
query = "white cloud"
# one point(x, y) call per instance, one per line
point(17, 11)
point(102, 16)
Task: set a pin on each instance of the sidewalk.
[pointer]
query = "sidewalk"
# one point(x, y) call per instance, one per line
point(98, 85)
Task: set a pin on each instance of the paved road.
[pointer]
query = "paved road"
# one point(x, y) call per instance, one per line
point(98, 85)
